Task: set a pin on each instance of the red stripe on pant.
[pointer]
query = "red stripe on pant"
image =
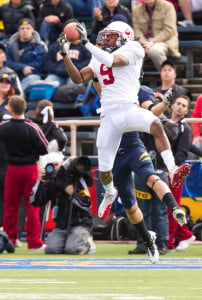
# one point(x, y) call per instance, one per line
point(18, 183)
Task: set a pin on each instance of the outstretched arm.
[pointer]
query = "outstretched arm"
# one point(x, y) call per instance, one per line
point(159, 108)
point(77, 76)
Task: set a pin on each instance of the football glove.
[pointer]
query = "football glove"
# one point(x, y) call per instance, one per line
point(167, 99)
point(64, 44)
point(81, 27)
point(179, 216)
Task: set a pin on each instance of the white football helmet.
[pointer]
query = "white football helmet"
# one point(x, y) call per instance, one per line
point(115, 35)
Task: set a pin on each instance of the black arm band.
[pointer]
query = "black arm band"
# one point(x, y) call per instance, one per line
point(82, 76)
point(95, 79)
point(150, 106)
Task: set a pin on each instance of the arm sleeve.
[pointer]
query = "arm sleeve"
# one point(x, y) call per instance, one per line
point(64, 179)
point(60, 136)
point(184, 142)
point(196, 150)
point(40, 142)
point(102, 56)
point(40, 194)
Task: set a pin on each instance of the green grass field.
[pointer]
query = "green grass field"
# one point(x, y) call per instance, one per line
point(105, 284)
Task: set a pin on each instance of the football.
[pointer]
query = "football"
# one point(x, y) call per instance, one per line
point(71, 32)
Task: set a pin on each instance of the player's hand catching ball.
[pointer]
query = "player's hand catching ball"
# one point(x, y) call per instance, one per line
point(64, 44)
point(81, 27)
point(168, 96)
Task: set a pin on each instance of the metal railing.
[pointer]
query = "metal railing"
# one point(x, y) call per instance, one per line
point(73, 124)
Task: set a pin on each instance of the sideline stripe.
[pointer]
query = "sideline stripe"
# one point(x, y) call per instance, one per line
point(110, 264)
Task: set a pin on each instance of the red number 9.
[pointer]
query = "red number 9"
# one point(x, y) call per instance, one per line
point(107, 71)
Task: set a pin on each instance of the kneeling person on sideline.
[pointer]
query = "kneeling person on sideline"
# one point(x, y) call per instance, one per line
point(67, 189)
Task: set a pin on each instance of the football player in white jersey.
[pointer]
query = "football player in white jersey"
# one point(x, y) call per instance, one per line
point(117, 66)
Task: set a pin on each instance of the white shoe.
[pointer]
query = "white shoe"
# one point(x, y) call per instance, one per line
point(170, 250)
point(92, 248)
point(186, 23)
point(40, 249)
point(179, 216)
point(18, 243)
point(152, 248)
point(106, 204)
point(185, 244)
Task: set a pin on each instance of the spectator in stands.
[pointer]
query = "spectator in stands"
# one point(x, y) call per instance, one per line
point(6, 91)
point(155, 26)
point(23, 142)
point(84, 8)
point(11, 13)
point(44, 117)
point(127, 3)
point(52, 16)
point(25, 53)
point(108, 13)
point(9, 85)
point(53, 65)
point(175, 3)
point(197, 127)
point(2, 2)
point(3, 166)
point(168, 76)
point(188, 7)
point(13, 77)
point(35, 5)
point(180, 236)
point(70, 199)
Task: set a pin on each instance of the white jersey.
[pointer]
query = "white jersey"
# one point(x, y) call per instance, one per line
point(120, 85)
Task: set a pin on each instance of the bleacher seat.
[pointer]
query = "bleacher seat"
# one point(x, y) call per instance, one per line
point(189, 47)
point(84, 104)
point(190, 29)
point(42, 89)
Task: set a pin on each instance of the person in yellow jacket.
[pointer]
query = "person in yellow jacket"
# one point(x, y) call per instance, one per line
point(1, 3)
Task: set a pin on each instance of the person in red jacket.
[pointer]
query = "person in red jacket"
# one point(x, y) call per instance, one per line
point(197, 127)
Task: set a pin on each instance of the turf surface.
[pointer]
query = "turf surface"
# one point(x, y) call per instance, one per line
point(109, 274)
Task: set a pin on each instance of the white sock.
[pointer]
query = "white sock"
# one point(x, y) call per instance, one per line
point(109, 188)
point(168, 159)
